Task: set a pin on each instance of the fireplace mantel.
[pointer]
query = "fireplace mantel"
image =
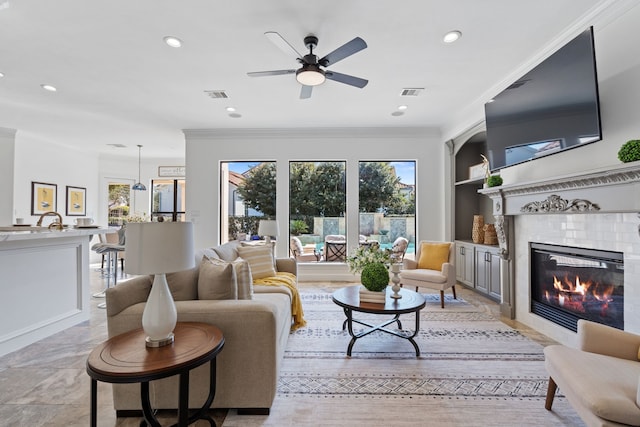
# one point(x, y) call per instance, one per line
point(603, 191)
point(611, 190)
point(614, 190)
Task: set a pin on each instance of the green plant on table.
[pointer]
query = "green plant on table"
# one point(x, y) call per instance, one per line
point(630, 151)
point(375, 276)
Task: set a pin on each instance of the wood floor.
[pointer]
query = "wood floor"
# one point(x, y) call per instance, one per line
point(46, 384)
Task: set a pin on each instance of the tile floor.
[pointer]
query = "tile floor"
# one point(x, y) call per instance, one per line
point(46, 384)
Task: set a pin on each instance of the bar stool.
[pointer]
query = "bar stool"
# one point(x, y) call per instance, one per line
point(111, 250)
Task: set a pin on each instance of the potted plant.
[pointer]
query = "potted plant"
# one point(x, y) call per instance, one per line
point(630, 151)
point(494, 181)
point(371, 261)
point(375, 277)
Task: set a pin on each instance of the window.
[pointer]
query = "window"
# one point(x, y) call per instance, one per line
point(387, 202)
point(167, 202)
point(119, 203)
point(248, 194)
point(317, 205)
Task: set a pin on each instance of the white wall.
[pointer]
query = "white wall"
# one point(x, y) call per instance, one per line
point(618, 66)
point(7, 151)
point(205, 149)
point(54, 164)
point(125, 169)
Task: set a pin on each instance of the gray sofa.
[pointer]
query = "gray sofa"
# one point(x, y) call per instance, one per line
point(256, 331)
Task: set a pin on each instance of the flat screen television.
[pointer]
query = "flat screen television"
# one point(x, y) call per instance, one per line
point(552, 108)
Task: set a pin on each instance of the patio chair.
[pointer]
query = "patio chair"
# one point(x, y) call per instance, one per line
point(303, 253)
point(335, 248)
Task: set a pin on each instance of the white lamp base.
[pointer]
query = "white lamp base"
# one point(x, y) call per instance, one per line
point(160, 343)
point(159, 316)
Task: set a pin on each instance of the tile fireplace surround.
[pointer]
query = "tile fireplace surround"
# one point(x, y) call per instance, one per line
point(596, 209)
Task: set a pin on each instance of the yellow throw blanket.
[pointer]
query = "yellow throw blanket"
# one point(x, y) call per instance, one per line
point(289, 280)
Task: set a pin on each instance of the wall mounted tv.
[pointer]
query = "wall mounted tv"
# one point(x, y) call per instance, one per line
point(552, 108)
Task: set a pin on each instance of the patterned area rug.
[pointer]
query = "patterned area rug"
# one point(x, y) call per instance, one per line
point(473, 370)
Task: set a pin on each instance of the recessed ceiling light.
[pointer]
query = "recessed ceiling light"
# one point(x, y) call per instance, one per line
point(173, 41)
point(402, 107)
point(452, 36)
point(49, 88)
point(1, 74)
point(230, 109)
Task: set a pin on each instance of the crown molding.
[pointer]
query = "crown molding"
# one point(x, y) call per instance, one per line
point(311, 133)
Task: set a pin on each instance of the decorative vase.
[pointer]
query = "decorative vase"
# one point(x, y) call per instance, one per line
point(477, 231)
point(490, 235)
point(395, 270)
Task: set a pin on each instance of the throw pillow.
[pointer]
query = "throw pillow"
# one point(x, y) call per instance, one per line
point(244, 279)
point(183, 284)
point(433, 255)
point(217, 280)
point(260, 259)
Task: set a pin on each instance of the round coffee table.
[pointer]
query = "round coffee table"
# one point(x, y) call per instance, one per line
point(349, 299)
point(126, 359)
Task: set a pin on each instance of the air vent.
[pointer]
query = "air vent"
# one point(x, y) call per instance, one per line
point(518, 84)
point(414, 91)
point(217, 94)
point(117, 145)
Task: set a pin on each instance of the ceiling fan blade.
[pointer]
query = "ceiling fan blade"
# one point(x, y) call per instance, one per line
point(282, 44)
point(347, 49)
point(270, 73)
point(346, 79)
point(305, 92)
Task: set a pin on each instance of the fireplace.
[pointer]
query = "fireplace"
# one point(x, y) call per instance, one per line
point(569, 283)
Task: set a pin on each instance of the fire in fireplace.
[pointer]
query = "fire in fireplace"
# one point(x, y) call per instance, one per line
point(570, 283)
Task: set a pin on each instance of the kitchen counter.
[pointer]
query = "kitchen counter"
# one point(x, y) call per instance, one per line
point(44, 282)
point(13, 233)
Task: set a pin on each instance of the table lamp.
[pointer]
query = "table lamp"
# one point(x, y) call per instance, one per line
point(268, 228)
point(159, 248)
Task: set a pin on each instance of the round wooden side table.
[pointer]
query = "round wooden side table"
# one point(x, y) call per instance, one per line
point(126, 359)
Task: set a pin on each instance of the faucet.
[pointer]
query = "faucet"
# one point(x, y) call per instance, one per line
point(55, 224)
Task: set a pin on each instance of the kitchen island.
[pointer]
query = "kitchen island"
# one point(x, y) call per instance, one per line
point(44, 282)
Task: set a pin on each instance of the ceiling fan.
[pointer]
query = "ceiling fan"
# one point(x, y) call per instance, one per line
point(313, 72)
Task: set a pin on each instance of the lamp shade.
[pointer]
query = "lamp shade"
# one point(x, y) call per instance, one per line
point(268, 228)
point(159, 247)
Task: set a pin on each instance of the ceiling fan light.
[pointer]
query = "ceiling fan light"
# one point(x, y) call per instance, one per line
point(310, 75)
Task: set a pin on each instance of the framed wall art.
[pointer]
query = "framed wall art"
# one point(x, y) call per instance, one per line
point(76, 201)
point(171, 171)
point(44, 197)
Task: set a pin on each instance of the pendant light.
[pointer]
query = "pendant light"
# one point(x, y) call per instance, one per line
point(139, 185)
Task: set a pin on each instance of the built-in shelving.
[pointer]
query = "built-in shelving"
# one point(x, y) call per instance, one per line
point(477, 265)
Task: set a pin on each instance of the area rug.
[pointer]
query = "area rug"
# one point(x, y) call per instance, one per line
point(473, 370)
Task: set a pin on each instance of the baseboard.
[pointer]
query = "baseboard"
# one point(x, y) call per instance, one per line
point(254, 411)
